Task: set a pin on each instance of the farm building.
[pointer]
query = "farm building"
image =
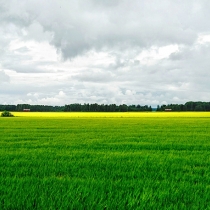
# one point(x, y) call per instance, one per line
point(26, 110)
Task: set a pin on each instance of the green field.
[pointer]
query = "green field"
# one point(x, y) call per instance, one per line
point(105, 163)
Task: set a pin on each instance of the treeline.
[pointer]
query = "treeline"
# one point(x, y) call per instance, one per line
point(77, 108)
point(188, 106)
point(33, 108)
point(105, 108)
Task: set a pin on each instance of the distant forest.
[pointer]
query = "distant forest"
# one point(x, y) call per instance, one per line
point(188, 106)
point(76, 107)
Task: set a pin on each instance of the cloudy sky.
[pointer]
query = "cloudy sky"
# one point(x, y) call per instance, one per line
point(57, 52)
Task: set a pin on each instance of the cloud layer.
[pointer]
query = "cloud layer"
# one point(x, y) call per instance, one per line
point(111, 51)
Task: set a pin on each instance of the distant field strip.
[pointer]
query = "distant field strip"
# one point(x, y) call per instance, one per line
point(105, 161)
point(111, 114)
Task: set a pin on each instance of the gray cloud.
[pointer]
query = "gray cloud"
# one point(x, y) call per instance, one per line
point(4, 78)
point(109, 51)
point(97, 76)
point(80, 26)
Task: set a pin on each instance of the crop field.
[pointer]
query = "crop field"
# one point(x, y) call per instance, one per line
point(105, 161)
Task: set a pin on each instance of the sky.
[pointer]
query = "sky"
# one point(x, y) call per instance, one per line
point(58, 52)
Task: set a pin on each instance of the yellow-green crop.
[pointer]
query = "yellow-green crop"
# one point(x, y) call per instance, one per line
point(111, 114)
point(105, 161)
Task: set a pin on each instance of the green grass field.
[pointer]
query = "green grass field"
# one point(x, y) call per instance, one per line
point(105, 163)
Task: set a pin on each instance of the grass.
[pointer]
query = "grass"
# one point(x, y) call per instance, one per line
point(105, 161)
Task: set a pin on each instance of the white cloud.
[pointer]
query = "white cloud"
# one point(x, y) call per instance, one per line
point(116, 51)
point(153, 54)
point(204, 39)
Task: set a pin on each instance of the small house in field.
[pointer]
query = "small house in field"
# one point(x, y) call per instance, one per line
point(26, 110)
point(168, 110)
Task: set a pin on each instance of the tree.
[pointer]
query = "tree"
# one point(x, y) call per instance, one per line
point(21, 107)
point(6, 114)
point(123, 108)
point(199, 107)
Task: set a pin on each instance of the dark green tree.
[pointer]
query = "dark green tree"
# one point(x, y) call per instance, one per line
point(6, 114)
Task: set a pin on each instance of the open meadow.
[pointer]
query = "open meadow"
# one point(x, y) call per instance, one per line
point(105, 161)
